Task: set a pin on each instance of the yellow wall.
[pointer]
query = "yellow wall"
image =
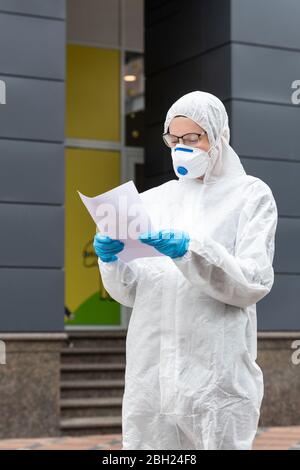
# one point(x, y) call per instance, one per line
point(93, 93)
point(93, 112)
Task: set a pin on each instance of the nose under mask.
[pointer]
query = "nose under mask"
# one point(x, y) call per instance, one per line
point(189, 162)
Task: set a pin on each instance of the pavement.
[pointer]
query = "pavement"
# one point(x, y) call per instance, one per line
point(273, 438)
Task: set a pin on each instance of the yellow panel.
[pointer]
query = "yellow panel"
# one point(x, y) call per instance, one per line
point(93, 93)
point(92, 172)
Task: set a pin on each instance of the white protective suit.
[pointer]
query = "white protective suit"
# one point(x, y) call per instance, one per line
point(191, 380)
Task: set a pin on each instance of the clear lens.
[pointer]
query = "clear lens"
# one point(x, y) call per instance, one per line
point(189, 139)
point(170, 140)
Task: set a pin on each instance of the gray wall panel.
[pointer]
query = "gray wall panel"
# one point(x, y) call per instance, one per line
point(32, 167)
point(177, 31)
point(31, 300)
point(216, 72)
point(279, 310)
point(214, 23)
point(53, 8)
point(267, 22)
point(36, 50)
point(167, 23)
point(282, 177)
point(34, 109)
point(287, 253)
point(31, 172)
point(31, 235)
point(263, 74)
point(265, 130)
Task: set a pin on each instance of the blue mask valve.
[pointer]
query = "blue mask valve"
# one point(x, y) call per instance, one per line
point(181, 170)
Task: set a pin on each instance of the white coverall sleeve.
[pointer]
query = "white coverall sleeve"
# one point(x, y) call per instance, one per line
point(120, 280)
point(246, 277)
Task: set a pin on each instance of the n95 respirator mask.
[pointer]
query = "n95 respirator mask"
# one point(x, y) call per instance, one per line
point(189, 162)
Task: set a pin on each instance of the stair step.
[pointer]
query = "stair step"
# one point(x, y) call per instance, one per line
point(97, 338)
point(91, 407)
point(90, 425)
point(109, 370)
point(87, 402)
point(92, 388)
point(98, 334)
point(92, 383)
point(93, 355)
point(105, 350)
point(92, 372)
point(103, 366)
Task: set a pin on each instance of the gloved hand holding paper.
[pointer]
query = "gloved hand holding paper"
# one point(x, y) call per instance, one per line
point(120, 214)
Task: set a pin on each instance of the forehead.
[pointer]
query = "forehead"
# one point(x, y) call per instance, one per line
point(181, 124)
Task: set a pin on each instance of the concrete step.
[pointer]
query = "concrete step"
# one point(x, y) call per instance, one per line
point(91, 407)
point(91, 425)
point(92, 382)
point(92, 388)
point(92, 371)
point(93, 355)
point(83, 339)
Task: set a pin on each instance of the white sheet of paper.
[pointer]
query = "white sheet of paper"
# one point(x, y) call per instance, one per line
point(120, 214)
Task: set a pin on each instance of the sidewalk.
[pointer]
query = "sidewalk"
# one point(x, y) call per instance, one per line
point(280, 438)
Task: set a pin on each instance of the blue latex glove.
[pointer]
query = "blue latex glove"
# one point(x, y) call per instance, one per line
point(173, 243)
point(106, 248)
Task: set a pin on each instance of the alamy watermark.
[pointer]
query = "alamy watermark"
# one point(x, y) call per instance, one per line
point(295, 358)
point(126, 221)
point(2, 353)
point(295, 97)
point(2, 92)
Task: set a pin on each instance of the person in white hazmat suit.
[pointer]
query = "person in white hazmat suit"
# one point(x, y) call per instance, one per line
point(191, 378)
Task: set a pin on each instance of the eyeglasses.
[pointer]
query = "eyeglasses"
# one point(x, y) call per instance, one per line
point(191, 139)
